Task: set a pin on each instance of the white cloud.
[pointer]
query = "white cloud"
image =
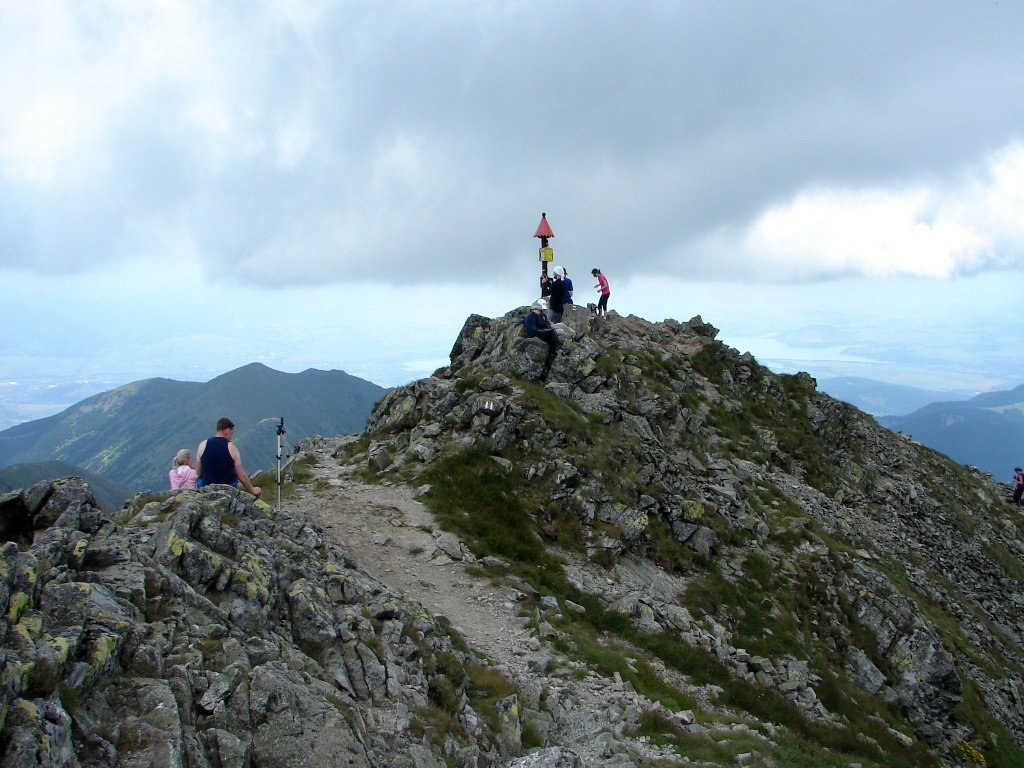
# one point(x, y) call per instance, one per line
point(938, 229)
point(372, 173)
point(73, 70)
point(998, 200)
point(875, 233)
point(336, 134)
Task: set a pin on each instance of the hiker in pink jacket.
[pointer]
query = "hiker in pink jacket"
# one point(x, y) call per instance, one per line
point(182, 475)
point(603, 289)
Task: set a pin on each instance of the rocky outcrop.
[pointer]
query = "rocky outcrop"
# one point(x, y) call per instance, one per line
point(204, 629)
point(691, 505)
point(647, 431)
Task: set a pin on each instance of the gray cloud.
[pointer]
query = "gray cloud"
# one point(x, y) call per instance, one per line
point(419, 139)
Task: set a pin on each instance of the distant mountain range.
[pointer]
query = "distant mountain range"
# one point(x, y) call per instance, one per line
point(986, 431)
point(130, 434)
point(36, 397)
point(882, 399)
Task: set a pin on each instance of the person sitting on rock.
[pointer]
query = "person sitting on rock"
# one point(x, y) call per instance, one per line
point(532, 326)
point(537, 326)
point(219, 460)
point(182, 475)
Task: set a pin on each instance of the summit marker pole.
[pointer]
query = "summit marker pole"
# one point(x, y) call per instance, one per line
point(547, 254)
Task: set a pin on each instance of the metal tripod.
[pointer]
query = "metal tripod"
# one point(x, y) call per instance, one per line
point(280, 440)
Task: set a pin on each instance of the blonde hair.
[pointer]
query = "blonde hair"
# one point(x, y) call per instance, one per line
point(181, 457)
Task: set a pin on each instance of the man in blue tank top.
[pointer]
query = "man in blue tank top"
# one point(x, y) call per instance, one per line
point(218, 461)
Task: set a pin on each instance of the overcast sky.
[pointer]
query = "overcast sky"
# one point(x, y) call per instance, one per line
point(187, 187)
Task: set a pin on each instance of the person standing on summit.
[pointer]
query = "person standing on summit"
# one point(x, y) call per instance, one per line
point(218, 461)
point(563, 275)
point(603, 289)
point(560, 294)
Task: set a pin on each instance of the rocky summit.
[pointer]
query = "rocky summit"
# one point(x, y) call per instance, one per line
point(643, 550)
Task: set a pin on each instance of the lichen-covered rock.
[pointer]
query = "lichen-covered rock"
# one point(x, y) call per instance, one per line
point(201, 629)
point(548, 757)
point(698, 498)
point(655, 440)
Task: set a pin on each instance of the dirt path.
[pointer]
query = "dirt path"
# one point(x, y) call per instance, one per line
point(393, 537)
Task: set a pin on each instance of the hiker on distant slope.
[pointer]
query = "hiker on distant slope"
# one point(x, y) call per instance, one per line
point(218, 461)
point(1018, 485)
point(182, 475)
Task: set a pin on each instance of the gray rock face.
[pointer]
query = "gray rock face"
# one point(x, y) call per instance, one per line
point(202, 629)
point(782, 536)
point(701, 446)
point(551, 757)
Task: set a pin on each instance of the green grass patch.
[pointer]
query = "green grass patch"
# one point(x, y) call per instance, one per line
point(667, 552)
point(70, 698)
point(722, 749)
point(991, 738)
point(1006, 560)
point(468, 384)
point(297, 473)
point(608, 656)
point(777, 404)
point(433, 723)
point(486, 688)
point(446, 680)
point(470, 496)
point(947, 626)
point(356, 447)
point(750, 611)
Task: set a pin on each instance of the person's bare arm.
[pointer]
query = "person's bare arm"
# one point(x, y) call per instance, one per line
point(199, 459)
point(240, 473)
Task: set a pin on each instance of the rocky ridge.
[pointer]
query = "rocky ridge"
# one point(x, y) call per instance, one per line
point(724, 567)
point(206, 629)
point(907, 566)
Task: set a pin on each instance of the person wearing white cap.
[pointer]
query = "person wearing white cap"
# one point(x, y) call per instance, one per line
point(536, 325)
point(561, 294)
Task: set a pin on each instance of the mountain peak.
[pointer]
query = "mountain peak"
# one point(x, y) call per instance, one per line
point(688, 558)
point(653, 442)
point(130, 434)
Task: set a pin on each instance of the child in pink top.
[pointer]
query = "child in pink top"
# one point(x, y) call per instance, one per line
point(182, 475)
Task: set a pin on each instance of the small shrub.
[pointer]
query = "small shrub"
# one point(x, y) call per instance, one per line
point(441, 693)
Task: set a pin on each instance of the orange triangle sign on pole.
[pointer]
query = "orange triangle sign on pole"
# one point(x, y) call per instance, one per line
point(544, 229)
